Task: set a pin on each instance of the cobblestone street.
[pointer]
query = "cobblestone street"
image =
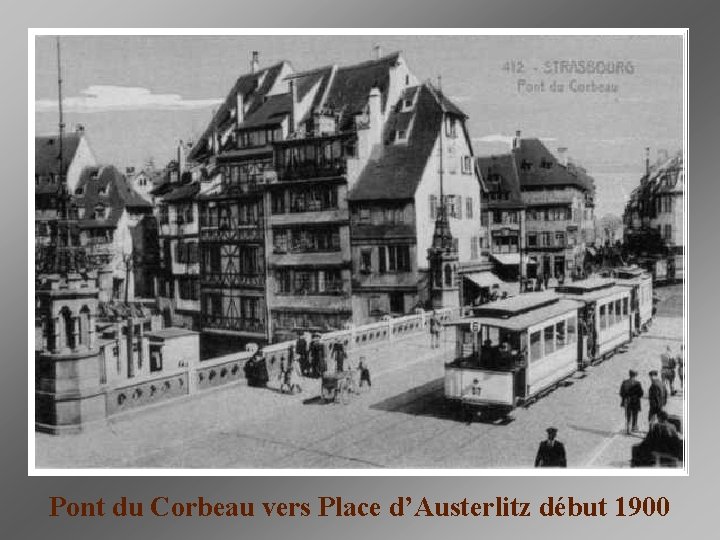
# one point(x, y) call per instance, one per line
point(402, 422)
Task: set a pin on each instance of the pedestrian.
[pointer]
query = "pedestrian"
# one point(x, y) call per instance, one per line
point(301, 348)
point(667, 363)
point(551, 452)
point(681, 367)
point(631, 391)
point(657, 397)
point(364, 373)
point(317, 355)
point(338, 354)
point(434, 330)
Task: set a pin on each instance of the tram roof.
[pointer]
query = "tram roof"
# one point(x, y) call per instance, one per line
point(516, 304)
point(526, 319)
point(596, 294)
point(586, 286)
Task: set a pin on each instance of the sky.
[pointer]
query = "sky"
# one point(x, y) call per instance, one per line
point(137, 96)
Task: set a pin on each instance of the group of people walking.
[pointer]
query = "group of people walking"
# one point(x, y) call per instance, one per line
point(631, 390)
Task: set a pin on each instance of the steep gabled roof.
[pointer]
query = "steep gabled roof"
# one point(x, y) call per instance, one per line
point(537, 167)
point(270, 112)
point(106, 186)
point(398, 172)
point(500, 174)
point(253, 87)
point(351, 85)
point(47, 153)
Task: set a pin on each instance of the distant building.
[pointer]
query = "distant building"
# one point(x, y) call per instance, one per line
point(653, 219)
point(539, 205)
point(559, 210)
point(117, 225)
point(49, 177)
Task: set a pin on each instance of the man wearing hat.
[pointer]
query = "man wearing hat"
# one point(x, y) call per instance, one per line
point(657, 396)
point(631, 392)
point(551, 452)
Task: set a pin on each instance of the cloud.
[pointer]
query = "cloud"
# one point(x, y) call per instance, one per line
point(105, 98)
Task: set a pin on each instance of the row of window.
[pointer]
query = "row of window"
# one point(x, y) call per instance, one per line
point(550, 239)
point(553, 338)
point(305, 199)
point(382, 216)
point(233, 306)
point(306, 240)
point(300, 282)
point(453, 206)
point(550, 214)
point(230, 215)
point(255, 138)
point(391, 259)
point(664, 204)
point(247, 173)
point(291, 321)
point(231, 259)
point(614, 312)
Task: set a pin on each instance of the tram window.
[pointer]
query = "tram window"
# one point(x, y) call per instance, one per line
point(560, 334)
point(618, 310)
point(549, 339)
point(571, 330)
point(611, 314)
point(625, 307)
point(603, 318)
point(535, 346)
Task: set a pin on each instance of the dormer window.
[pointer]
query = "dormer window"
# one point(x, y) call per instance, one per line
point(80, 190)
point(102, 190)
point(401, 135)
point(407, 103)
point(100, 212)
point(545, 164)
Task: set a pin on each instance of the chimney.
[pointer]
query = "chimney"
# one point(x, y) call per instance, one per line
point(562, 155)
point(129, 171)
point(255, 63)
point(647, 161)
point(516, 140)
point(375, 114)
point(239, 108)
point(377, 52)
point(292, 126)
point(180, 159)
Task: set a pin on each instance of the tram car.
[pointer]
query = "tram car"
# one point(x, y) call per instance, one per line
point(604, 317)
point(511, 351)
point(640, 284)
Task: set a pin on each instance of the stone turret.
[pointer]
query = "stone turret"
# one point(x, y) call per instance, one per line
point(443, 263)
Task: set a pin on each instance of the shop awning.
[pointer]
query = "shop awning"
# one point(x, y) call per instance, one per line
point(510, 259)
point(483, 279)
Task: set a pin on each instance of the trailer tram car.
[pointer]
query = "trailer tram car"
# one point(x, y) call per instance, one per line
point(511, 351)
point(641, 296)
point(604, 317)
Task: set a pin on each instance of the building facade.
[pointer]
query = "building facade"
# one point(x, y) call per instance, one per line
point(654, 219)
point(558, 210)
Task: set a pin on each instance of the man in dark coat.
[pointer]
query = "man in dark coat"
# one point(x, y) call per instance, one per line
point(631, 392)
point(551, 452)
point(657, 396)
point(301, 349)
point(317, 356)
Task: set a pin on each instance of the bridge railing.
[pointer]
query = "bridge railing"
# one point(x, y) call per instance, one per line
point(228, 369)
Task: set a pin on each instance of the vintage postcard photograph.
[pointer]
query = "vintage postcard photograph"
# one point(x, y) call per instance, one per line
point(326, 251)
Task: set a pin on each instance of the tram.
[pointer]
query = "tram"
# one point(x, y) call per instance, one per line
point(604, 317)
point(510, 351)
point(640, 284)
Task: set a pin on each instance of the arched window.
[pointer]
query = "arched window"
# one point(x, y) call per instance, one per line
point(84, 335)
point(448, 275)
point(66, 330)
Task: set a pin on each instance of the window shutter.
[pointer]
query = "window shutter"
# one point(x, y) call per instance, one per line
point(458, 207)
point(382, 261)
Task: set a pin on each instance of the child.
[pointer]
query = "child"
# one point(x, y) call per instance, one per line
point(364, 373)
